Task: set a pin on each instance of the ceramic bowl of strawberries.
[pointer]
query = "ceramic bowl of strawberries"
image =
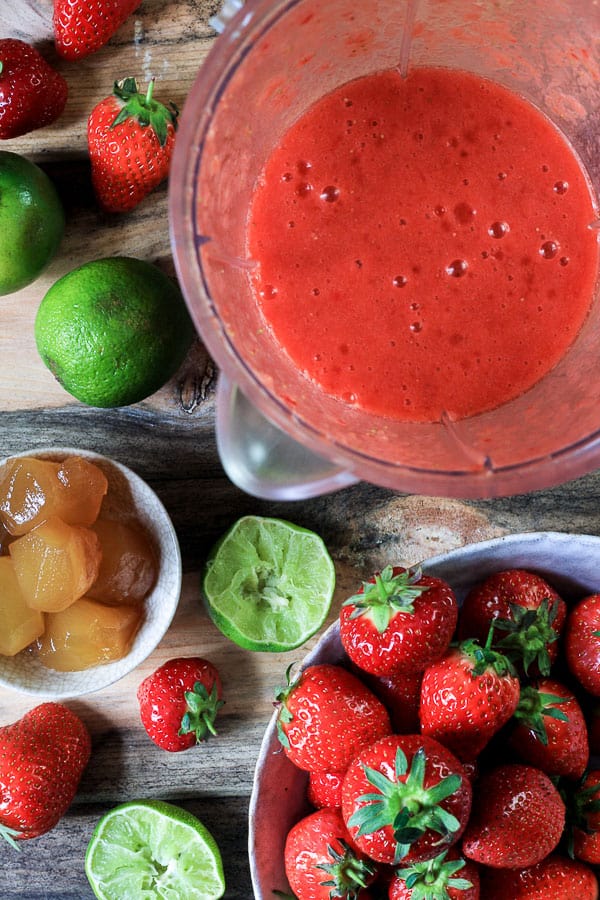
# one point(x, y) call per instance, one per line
point(441, 739)
point(90, 571)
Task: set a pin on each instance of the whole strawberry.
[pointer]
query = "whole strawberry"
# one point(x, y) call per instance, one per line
point(551, 732)
point(32, 93)
point(83, 26)
point(405, 799)
point(42, 758)
point(582, 643)
point(325, 716)
point(517, 819)
point(131, 137)
point(528, 616)
point(445, 877)
point(321, 862)
point(399, 622)
point(554, 878)
point(179, 703)
point(467, 696)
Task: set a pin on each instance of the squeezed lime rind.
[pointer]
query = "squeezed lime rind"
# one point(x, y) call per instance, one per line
point(268, 584)
point(153, 850)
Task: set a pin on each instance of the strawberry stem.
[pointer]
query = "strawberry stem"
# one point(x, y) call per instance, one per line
point(433, 878)
point(202, 709)
point(386, 595)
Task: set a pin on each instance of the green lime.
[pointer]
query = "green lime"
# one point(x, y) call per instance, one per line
point(32, 221)
point(113, 331)
point(268, 584)
point(149, 848)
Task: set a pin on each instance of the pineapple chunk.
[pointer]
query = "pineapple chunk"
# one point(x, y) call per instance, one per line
point(55, 564)
point(19, 625)
point(128, 566)
point(87, 634)
point(32, 490)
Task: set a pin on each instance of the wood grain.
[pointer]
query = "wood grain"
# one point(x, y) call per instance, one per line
point(169, 441)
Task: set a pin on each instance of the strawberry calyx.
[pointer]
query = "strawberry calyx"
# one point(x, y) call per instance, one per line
point(147, 112)
point(202, 708)
point(534, 705)
point(485, 658)
point(433, 878)
point(281, 696)
point(348, 874)
point(386, 595)
point(404, 803)
point(529, 633)
point(9, 835)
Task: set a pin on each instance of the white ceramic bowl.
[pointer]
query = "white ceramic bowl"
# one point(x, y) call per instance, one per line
point(128, 498)
point(570, 562)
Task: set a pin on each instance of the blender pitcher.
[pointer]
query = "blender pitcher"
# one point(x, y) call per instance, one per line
point(279, 435)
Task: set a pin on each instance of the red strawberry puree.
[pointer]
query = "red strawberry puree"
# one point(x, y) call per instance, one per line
point(424, 244)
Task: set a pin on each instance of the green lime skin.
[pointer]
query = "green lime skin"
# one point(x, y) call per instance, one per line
point(153, 848)
point(268, 584)
point(113, 331)
point(32, 222)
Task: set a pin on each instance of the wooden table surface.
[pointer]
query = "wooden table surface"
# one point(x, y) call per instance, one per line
point(169, 441)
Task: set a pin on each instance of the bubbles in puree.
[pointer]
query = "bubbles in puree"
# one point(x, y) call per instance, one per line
point(424, 244)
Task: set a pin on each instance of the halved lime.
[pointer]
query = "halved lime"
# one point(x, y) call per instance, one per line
point(268, 584)
point(153, 850)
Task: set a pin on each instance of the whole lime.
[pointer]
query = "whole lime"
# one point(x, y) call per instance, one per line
point(113, 331)
point(32, 221)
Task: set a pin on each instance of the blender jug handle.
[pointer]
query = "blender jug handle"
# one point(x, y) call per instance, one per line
point(262, 460)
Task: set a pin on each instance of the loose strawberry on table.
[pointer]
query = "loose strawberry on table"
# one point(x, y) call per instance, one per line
point(42, 758)
point(322, 862)
point(517, 819)
point(582, 643)
point(32, 93)
point(325, 716)
point(528, 616)
point(405, 798)
point(554, 878)
point(83, 26)
point(179, 703)
point(400, 621)
point(467, 696)
point(131, 137)
point(551, 732)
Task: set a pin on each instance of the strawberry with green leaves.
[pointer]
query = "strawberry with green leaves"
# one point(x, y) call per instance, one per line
point(405, 799)
point(179, 703)
point(445, 877)
point(400, 621)
point(517, 819)
point(583, 817)
point(325, 716)
point(131, 137)
point(527, 613)
point(83, 26)
point(467, 697)
point(582, 643)
point(32, 93)
point(42, 758)
point(321, 861)
point(550, 730)
point(554, 878)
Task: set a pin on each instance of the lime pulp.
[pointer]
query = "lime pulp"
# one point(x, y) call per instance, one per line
point(153, 850)
point(268, 584)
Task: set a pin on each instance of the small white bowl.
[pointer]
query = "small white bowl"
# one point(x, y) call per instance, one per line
point(570, 562)
point(129, 498)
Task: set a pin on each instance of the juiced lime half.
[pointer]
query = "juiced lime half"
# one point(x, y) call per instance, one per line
point(149, 849)
point(268, 584)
